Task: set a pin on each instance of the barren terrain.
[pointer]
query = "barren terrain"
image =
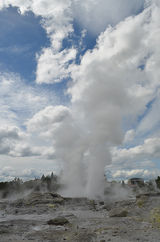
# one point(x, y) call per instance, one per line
point(50, 217)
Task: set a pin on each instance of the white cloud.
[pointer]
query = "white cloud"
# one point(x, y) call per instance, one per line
point(9, 132)
point(149, 149)
point(136, 161)
point(24, 150)
point(95, 15)
point(129, 136)
point(20, 101)
point(48, 118)
point(13, 142)
point(42, 130)
point(57, 19)
point(143, 173)
point(54, 67)
point(56, 16)
point(9, 135)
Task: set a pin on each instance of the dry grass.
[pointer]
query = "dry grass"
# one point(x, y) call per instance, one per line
point(155, 217)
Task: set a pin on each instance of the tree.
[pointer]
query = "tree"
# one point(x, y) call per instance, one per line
point(52, 176)
point(43, 178)
point(158, 182)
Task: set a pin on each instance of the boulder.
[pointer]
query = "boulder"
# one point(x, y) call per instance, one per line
point(36, 198)
point(58, 221)
point(118, 213)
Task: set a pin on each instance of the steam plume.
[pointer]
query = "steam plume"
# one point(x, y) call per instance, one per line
point(108, 88)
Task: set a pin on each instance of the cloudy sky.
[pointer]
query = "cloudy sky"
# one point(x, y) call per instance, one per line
point(80, 89)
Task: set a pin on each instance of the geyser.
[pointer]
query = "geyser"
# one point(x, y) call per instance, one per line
point(107, 89)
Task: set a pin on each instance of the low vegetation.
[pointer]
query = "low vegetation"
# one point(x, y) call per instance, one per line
point(17, 186)
point(51, 183)
point(155, 217)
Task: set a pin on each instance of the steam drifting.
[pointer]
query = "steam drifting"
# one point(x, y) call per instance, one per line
point(109, 87)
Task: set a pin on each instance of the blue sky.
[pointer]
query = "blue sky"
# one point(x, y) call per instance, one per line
point(76, 70)
point(22, 37)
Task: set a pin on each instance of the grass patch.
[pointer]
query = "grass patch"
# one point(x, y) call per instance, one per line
point(155, 217)
point(141, 202)
point(50, 205)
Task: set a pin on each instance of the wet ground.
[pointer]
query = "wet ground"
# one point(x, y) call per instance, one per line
point(79, 219)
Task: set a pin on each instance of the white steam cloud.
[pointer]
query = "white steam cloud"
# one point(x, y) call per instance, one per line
point(109, 87)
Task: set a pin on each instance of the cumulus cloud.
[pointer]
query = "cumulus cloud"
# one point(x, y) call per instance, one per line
point(11, 132)
point(13, 142)
point(143, 173)
point(56, 16)
point(8, 136)
point(149, 149)
point(24, 150)
point(20, 101)
point(48, 118)
point(95, 16)
point(42, 130)
point(54, 67)
point(57, 20)
point(139, 161)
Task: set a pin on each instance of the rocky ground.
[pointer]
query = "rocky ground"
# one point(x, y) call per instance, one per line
point(50, 217)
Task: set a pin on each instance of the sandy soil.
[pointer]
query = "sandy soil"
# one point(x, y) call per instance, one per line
point(27, 219)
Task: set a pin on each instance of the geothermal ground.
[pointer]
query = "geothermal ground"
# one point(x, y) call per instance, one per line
point(51, 217)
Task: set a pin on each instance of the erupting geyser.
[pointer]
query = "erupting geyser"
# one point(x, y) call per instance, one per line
point(107, 89)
